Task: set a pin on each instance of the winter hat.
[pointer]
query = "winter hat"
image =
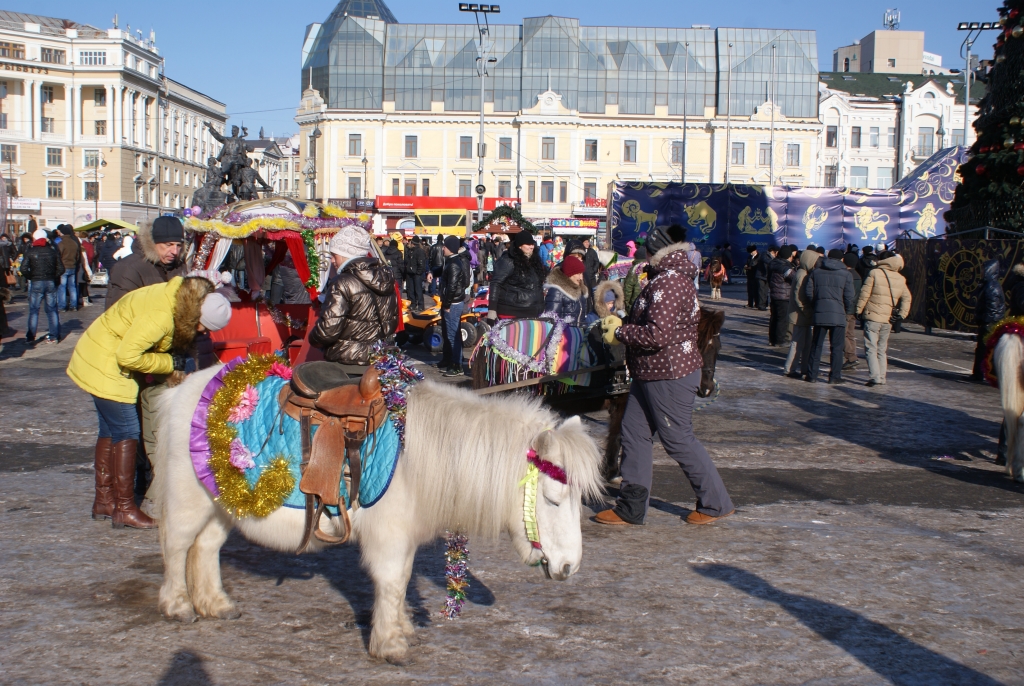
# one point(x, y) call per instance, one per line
point(572, 265)
point(522, 238)
point(786, 251)
point(835, 254)
point(216, 312)
point(820, 250)
point(641, 253)
point(66, 229)
point(350, 242)
point(850, 260)
point(168, 230)
point(452, 243)
point(39, 234)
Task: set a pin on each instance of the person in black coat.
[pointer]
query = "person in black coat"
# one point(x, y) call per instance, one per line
point(435, 261)
point(415, 268)
point(781, 272)
point(395, 260)
point(42, 268)
point(517, 285)
point(829, 289)
point(455, 279)
point(990, 308)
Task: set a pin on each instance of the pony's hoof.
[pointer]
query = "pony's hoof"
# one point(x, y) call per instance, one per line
point(394, 650)
point(222, 609)
point(179, 609)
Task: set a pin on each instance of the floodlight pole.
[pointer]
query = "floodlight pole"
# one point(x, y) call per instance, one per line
point(686, 73)
point(973, 30)
point(483, 51)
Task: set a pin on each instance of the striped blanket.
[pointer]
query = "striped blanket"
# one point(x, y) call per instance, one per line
point(518, 349)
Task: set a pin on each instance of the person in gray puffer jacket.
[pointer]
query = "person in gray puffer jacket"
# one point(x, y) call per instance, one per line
point(829, 289)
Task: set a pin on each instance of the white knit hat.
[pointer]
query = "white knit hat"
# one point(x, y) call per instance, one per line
point(350, 242)
point(38, 233)
point(216, 312)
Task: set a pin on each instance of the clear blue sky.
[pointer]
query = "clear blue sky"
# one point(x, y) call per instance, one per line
point(246, 54)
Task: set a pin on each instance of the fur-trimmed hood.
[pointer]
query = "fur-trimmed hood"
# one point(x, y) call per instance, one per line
point(600, 293)
point(674, 257)
point(556, 279)
point(188, 305)
point(685, 246)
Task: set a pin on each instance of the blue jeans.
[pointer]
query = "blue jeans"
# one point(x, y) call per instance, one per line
point(67, 292)
point(451, 353)
point(42, 292)
point(118, 421)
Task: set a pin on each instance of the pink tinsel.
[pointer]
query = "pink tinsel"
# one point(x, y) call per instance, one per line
point(241, 457)
point(278, 369)
point(547, 468)
point(246, 405)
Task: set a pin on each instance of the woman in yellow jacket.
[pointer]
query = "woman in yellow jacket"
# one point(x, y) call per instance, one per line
point(148, 331)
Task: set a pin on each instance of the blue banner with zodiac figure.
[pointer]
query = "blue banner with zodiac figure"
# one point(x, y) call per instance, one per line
point(814, 217)
point(928, 191)
point(870, 217)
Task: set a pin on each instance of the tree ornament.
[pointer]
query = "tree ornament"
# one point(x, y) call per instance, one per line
point(1002, 21)
point(980, 170)
point(1014, 121)
point(1008, 143)
point(1014, 13)
point(1000, 59)
point(1017, 31)
point(1020, 170)
point(1019, 146)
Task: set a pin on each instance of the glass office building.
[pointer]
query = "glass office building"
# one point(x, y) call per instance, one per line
point(361, 57)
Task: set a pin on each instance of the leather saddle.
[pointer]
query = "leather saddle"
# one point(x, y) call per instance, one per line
point(345, 411)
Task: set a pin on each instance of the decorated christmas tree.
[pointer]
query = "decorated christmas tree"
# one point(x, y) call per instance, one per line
point(992, 190)
point(505, 215)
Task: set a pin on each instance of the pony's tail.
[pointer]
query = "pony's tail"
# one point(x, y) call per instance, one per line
point(1009, 363)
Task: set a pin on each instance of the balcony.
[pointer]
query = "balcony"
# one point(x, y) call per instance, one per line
point(922, 152)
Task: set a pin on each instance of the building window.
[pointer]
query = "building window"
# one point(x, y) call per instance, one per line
point(738, 153)
point(891, 137)
point(465, 188)
point(858, 177)
point(91, 158)
point(9, 154)
point(547, 148)
point(46, 94)
point(52, 55)
point(885, 177)
point(925, 141)
point(629, 151)
point(12, 188)
point(15, 50)
point(764, 154)
point(547, 191)
point(426, 186)
point(677, 152)
point(504, 148)
point(55, 189)
point(590, 150)
point(831, 176)
point(46, 125)
point(465, 147)
point(873, 136)
point(589, 190)
point(295, 184)
point(855, 137)
point(831, 136)
point(100, 127)
point(394, 186)
point(846, 64)
point(792, 154)
point(531, 191)
point(355, 145)
point(92, 57)
point(957, 137)
point(504, 189)
point(92, 190)
point(55, 157)
point(411, 147)
point(410, 187)
point(167, 174)
point(3, 120)
point(355, 187)
point(892, 62)
point(563, 191)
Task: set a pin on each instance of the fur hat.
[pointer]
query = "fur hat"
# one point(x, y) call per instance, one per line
point(350, 242)
point(216, 312)
point(572, 265)
point(522, 238)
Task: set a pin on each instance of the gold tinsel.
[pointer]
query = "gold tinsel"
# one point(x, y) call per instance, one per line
point(276, 482)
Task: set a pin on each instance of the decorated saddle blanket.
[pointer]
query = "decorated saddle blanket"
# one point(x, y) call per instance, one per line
point(516, 349)
point(247, 452)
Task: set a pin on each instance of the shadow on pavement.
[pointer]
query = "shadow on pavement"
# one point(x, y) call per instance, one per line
point(876, 646)
point(185, 669)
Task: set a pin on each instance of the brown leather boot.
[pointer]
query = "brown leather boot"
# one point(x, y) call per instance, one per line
point(103, 505)
point(126, 512)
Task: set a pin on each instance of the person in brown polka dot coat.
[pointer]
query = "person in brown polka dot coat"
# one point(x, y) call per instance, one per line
point(660, 336)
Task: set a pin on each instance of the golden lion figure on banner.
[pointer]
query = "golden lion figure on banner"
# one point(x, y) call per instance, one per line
point(631, 208)
point(867, 220)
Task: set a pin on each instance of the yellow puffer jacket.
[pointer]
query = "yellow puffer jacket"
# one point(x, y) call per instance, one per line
point(136, 335)
point(883, 289)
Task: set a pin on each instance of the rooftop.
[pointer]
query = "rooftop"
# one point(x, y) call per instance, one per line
point(50, 26)
point(892, 85)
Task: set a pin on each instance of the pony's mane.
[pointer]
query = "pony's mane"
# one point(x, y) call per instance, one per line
point(466, 454)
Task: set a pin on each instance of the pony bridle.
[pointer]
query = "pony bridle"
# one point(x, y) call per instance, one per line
point(535, 467)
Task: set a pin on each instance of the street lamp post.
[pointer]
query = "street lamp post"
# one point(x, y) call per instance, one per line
point(483, 51)
point(310, 171)
point(100, 162)
point(728, 119)
point(365, 162)
point(686, 73)
point(973, 30)
point(771, 139)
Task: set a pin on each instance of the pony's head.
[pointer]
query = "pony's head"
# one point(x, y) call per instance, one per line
point(567, 460)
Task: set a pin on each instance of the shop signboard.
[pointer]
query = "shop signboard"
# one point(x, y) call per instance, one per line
point(24, 204)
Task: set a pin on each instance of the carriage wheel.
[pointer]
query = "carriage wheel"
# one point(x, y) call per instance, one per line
point(469, 334)
point(432, 339)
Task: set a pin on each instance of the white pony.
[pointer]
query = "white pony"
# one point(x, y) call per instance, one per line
point(1008, 360)
point(461, 468)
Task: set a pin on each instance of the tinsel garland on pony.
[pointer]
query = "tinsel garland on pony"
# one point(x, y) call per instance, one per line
point(1009, 325)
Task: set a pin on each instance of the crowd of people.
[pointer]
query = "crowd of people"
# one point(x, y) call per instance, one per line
point(813, 295)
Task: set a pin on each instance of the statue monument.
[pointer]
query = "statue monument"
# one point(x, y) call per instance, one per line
point(232, 167)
